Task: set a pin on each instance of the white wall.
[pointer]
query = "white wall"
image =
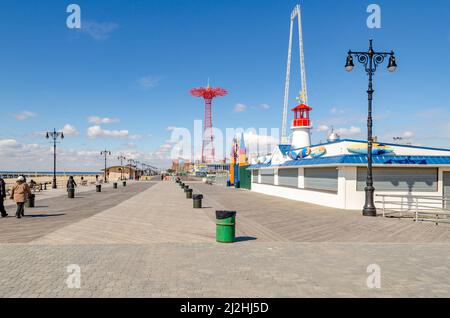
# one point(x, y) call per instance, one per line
point(310, 196)
point(347, 196)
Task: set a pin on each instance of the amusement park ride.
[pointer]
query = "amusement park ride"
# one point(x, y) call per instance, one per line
point(303, 98)
point(208, 94)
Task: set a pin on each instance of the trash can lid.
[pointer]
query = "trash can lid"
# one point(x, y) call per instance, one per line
point(197, 196)
point(189, 190)
point(220, 215)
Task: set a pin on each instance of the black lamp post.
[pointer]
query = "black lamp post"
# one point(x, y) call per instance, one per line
point(131, 162)
point(54, 135)
point(370, 60)
point(121, 158)
point(105, 153)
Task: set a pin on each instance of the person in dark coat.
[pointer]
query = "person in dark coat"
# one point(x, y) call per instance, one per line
point(71, 184)
point(2, 197)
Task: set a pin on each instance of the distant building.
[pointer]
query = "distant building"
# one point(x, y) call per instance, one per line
point(122, 173)
point(181, 165)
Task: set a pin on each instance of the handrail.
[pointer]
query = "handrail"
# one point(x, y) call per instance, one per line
point(437, 206)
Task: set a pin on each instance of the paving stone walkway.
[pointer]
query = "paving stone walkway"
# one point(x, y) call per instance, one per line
point(154, 244)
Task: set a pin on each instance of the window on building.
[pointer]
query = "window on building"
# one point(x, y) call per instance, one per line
point(400, 179)
point(325, 179)
point(267, 176)
point(288, 177)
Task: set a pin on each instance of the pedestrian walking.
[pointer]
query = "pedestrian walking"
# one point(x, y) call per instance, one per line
point(71, 184)
point(2, 197)
point(20, 193)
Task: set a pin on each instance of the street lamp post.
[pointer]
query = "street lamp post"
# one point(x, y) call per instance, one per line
point(370, 60)
point(105, 153)
point(130, 163)
point(54, 135)
point(121, 158)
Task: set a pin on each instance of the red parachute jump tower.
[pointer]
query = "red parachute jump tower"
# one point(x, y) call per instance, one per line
point(208, 94)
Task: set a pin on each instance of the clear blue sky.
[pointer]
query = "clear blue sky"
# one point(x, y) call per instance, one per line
point(136, 60)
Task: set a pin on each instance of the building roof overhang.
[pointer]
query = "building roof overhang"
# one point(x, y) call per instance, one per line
point(361, 160)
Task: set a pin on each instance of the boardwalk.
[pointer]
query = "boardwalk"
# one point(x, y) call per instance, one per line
point(150, 242)
point(270, 218)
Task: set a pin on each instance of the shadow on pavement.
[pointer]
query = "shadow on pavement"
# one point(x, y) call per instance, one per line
point(44, 215)
point(245, 238)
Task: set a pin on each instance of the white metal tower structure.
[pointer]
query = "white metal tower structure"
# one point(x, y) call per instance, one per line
point(296, 13)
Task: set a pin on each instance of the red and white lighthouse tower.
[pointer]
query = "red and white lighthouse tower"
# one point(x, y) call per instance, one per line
point(301, 127)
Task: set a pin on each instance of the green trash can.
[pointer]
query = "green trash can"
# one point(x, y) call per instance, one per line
point(189, 193)
point(115, 185)
point(197, 198)
point(124, 183)
point(225, 226)
point(98, 188)
point(30, 201)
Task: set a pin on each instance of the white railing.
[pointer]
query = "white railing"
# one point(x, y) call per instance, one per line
point(419, 207)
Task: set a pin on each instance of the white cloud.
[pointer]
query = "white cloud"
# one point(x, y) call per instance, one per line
point(171, 128)
point(336, 110)
point(259, 144)
point(69, 130)
point(265, 106)
point(97, 131)
point(102, 120)
point(148, 82)
point(98, 30)
point(323, 128)
point(352, 131)
point(34, 157)
point(135, 137)
point(24, 115)
point(239, 108)
point(408, 134)
point(5, 143)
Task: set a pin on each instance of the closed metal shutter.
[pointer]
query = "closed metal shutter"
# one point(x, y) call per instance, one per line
point(288, 177)
point(267, 176)
point(321, 179)
point(400, 179)
point(447, 189)
point(255, 176)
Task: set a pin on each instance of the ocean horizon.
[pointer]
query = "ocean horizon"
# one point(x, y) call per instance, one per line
point(2, 173)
